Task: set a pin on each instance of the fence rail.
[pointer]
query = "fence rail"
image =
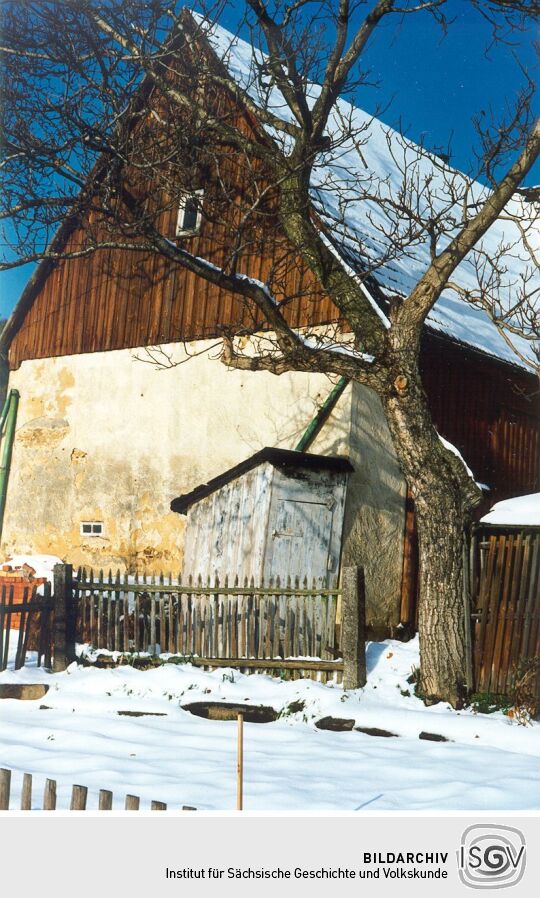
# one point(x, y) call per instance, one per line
point(506, 613)
point(79, 797)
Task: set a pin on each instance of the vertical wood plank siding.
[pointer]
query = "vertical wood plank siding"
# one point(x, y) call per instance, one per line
point(490, 412)
point(116, 299)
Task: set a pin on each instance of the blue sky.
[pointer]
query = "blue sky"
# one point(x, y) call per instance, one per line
point(434, 86)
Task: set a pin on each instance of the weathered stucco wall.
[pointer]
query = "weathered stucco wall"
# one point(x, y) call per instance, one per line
point(106, 437)
point(375, 511)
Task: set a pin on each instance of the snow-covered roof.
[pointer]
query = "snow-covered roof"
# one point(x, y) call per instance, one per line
point(523, 511)
point(338, 185)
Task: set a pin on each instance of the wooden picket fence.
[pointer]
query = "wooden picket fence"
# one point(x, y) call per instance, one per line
point(290, 628)
point(28, 621)
point(213, 624)
point(79, 797)
point(506, 610)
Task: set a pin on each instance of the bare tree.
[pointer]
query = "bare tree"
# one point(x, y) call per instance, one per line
point(115, 111)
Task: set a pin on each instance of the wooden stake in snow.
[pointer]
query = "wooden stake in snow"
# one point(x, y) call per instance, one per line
point(240, 764)
point(105, 800)
point(26, 793)
point(49, 796)
point(78, 798)
point(5, 788)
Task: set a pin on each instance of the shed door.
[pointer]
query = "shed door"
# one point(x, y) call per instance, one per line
point(299, 540)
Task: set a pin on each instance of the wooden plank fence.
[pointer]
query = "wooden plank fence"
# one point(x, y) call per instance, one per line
point(506, 611)
point(79, 797)
point(227, 623)
point(290, 627)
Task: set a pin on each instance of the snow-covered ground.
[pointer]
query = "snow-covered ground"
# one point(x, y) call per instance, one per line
point(492, 763)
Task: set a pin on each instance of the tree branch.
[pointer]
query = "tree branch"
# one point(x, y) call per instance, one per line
point(428, 289)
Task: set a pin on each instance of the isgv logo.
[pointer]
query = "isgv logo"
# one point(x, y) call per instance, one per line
point(491, 856)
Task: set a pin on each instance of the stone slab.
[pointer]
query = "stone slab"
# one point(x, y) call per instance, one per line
point(23, 691)
point(230, 711)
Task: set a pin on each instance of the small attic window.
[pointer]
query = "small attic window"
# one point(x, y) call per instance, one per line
point(189, 213)
point(91, 528)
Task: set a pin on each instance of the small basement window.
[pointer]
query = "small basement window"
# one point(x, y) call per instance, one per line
point(189, 213)
point(91, 528)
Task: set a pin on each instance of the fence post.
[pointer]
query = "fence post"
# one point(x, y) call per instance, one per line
point(63, 579)
point(240, 764)
point(49, 796)
point(79, 795)
point(26, 794)
point(354, 628)
point(468, 549)
point(5, 788)
point(105, 800)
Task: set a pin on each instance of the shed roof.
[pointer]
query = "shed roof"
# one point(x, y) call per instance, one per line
point(521, 511)
point(279, 458)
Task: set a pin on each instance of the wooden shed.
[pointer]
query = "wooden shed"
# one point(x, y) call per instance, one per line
point(277, 514)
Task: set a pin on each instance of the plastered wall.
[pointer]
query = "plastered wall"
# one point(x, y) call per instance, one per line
point(108, 437)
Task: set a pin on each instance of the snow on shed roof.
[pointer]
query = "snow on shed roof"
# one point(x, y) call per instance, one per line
point(523, 511)
point(279, 458)
point(339, 181)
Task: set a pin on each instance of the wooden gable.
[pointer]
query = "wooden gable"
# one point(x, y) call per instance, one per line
point(122, 298)
point(116, 299)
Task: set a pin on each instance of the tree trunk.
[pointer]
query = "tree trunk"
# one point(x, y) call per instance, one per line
point(441, 611)
point(445, 496)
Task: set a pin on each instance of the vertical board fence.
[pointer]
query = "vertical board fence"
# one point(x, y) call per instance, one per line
point(289, 627)
point(506, 611)
point(227, 622)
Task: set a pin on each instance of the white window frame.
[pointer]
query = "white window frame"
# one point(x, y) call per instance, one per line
point(92, 524)
point(180, 230)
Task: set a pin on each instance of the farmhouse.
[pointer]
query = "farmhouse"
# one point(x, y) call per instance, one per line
point(124, 405)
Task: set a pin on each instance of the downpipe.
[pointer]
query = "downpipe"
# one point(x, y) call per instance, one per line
point(317, 423)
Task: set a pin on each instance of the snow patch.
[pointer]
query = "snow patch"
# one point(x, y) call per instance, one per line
point(455, 451)
point(43, 565)
point(313, 341)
